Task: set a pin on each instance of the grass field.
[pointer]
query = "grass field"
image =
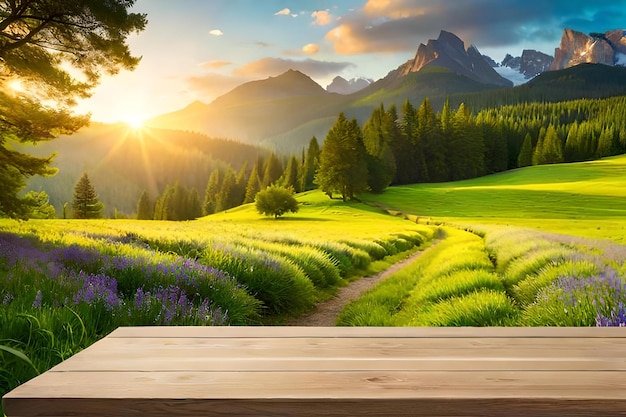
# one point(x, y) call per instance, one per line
point(539, 246)
point(584, 199)
point(66, 283)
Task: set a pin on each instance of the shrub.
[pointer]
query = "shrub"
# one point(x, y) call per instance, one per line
point(276, 201)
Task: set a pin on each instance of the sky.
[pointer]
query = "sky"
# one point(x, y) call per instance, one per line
point(200, 49)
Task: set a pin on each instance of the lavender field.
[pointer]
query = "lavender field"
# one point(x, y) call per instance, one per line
point(66, 284)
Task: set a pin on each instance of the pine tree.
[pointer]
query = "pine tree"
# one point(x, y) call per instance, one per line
point(380, 161)
point(253, 186)
point(552, 149)
point(145, 210)
point(291, 175)
point(311, 162)
point(39, 41)
point(194, 206)
point(211, 192)
point(225, 197)
point(86, 204)
point(525, 157)
point(343, 165)
point(272, 171)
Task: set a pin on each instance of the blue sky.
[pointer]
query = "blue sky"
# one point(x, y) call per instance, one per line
point(200, 49)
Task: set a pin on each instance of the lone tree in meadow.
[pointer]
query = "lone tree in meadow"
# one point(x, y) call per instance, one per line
point(39, 41)
point(276, 201)
point(86, 204)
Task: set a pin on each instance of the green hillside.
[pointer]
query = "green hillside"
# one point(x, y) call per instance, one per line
point(580, 198)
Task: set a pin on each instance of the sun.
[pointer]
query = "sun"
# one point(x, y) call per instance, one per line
point(134, 122)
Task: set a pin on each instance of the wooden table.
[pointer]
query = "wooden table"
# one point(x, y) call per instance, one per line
point(335, 371)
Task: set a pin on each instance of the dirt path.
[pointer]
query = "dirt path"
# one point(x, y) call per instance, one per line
point(326, 312)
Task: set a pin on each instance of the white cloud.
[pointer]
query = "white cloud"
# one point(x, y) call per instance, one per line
point(322, 17)
point(284, 12)
point(311, 48)
point(216, 32)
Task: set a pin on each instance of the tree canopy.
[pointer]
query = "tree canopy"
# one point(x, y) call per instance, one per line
point(39, 40)
point(276, 201)
point(343, 166)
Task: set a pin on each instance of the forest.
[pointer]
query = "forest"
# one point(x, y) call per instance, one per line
point(414, 144)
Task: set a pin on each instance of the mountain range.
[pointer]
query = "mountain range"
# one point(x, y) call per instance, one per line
point(285, 111)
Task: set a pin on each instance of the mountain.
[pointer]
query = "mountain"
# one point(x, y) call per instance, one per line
point(283, 112)
point(448, 51)
point(340, 85)
point(576, 48)
point(257, 110)
point(121, 162)
point(530, 64)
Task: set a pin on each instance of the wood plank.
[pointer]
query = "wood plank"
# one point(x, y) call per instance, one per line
point(347, 354)
point(468, 407)
point(388, 332)
point(559, 386)
point(163, 364)
point(293, 371)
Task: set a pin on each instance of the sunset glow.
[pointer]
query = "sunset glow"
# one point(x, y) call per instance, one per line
point(134, 121)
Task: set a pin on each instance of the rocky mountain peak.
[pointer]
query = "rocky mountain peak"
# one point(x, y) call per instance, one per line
point(449, 51)
point(596, 48)
point(340, 85)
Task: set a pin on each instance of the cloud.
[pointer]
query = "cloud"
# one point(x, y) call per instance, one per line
point(216, 32)
point(311, 48)
point(212, 85)
point(322, 17)
point(400, 25)
point(285, 12)
point(275, 66)
point(215, 64)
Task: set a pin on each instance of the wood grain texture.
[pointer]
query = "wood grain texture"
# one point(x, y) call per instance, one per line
point(287, 371)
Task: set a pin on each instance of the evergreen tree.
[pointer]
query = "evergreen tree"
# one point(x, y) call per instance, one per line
point(194, 206)
point(39, 40)
point(253, 186)
point(241, 180)
point(291, 175)
point(380, 161)
point(400, 146)
point(272, 171)
point(225, 197)
point(145, 209)
point(86, 204)
point(525, 157)
point(39, 206)
point(552, 149)
point(343, 165)
point(606, 145)
point(311, 162)
point(210, 195)
point(466, 151)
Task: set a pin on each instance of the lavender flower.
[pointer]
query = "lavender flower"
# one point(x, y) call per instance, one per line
point(38, 299)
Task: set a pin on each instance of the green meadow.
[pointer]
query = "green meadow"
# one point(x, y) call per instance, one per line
point(584, 199)
point(539, 246)
point(525, 248)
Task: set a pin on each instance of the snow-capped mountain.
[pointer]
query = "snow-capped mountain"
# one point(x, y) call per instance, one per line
point(340, 85)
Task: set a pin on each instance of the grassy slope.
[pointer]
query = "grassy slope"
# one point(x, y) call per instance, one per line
point(318, 218)
point(585, 199)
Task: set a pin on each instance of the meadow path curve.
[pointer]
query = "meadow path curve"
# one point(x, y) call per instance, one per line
point(326, 312)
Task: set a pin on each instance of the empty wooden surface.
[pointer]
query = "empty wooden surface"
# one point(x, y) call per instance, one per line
point(336, 371)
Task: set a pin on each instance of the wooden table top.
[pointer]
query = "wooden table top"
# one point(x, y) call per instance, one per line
point(336, 371)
